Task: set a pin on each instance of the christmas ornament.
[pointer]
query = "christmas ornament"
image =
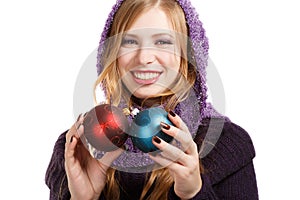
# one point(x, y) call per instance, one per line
point(146, 125)
point(105, 127)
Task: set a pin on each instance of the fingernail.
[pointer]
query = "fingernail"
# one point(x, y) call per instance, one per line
point(172, 113)
point(165, 126)
point(78, 117)
point(156, 139)
point(71, 139)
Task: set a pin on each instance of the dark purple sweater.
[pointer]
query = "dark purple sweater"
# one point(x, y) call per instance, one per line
point(229, 172)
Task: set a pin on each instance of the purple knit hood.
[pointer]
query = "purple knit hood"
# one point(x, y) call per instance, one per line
point(192, 110)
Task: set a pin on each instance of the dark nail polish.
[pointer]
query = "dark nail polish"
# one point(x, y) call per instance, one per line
point(85, 114)
point(156, 139)
point(165, 126)
point(78, 117)
point(71, 140)
point(172, 113)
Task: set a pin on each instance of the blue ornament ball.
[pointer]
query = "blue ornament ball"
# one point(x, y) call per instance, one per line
point(146, 125)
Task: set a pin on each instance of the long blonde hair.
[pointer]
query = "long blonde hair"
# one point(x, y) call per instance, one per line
point(114, 90)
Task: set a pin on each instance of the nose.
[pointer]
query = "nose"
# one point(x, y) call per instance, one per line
point(146, 56)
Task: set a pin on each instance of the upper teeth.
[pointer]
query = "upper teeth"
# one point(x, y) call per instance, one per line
point(146, 75)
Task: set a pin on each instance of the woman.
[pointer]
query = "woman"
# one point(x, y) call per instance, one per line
point(154, 53)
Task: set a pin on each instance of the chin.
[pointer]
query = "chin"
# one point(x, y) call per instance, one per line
point(143, 93)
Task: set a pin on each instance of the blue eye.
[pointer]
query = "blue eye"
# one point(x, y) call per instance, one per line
point(129, 43)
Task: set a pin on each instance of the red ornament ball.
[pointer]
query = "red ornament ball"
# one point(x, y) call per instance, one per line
point(105, 127)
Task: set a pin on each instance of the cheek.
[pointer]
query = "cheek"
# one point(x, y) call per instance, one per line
point(170, 61)
point(177, 63)
point(125, 57)
point(123, 63)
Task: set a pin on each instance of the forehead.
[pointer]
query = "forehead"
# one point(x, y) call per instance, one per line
point(152, 18)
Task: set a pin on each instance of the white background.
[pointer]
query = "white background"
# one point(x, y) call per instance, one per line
point(254, 45)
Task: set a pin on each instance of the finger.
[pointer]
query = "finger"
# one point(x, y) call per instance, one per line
point(72, 140)
point(80, 129)
point(108, 158)
point(70, 133)
point(164, 162)
point(76, 130)
point(185, 139)
point(79, 120)
point(177, 121)
point(70, 148)
point(73, 130)
point(169, 151)
point(79, 125)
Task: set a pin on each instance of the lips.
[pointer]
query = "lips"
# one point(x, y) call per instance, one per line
point(146, 77)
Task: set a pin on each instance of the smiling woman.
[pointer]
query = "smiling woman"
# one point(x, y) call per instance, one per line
point(148, 60)
point(154, 53)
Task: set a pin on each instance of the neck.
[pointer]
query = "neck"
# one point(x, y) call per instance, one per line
point(148, 102)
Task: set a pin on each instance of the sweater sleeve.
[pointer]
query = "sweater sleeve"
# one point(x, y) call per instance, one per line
point(206, 191)
point(228, 168)
point(56, 178)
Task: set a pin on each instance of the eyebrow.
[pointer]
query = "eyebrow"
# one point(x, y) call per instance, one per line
point(163, 34)
point(153, 36)
point(129, 35)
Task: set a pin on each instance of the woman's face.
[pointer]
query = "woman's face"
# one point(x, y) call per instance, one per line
point(149, 57)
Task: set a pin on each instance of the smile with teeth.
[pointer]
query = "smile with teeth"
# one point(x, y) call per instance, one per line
point(146, 75)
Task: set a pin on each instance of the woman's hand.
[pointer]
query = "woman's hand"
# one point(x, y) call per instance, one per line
point(183, 162)
point(86, 175)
